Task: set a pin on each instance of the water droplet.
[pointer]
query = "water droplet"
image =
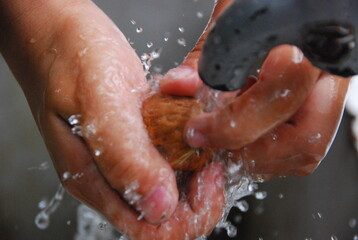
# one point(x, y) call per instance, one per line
point(90, 130)
point(334, 237)
point(141, 216)
point(181, 42)
point(130, 193)
point(65, 176)
point(260, 195)
point(352, 223)
point(77, 175)
point(102, 226)
point(166, 36)
point(274, 136)
point(97, 152)
point(133, 22)
point(83, 52)
point(231, 230)
point(199, 15)
point(156, 53)
point(77, 130)
point(158, 68)
point(74, 119)
point(149, 44)
point(42, 166)
point(280, 196)
point(297, 56)
point(181, 29)
point(253, 186)
point(42, 220)
point(139, 30)
point(130, 41)
point(68, 222)
point(242, 205)
point(233, 124)
point(355, 237)
point(314, 138)
point(285, 93)
point(43, 204)
point(190, 133)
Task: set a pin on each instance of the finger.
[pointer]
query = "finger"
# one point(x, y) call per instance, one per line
point(181, 81)
point(197, 213)
point(81, 177)
point(285, 81)
point(184, 80)
point(297, 147)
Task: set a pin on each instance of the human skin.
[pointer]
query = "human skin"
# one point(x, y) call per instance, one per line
point(69, 58)
point(285, 123)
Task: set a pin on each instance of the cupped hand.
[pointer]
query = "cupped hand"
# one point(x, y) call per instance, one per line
point(81, 76)
point(282, 124)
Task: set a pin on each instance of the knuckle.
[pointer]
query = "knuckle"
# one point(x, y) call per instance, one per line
point(123, 174)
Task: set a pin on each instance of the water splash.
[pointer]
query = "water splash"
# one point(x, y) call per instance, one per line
point(149, 44)
point(334, 237)
point(199, 14)
point(147, 58)
point(239, 185)
point(42, 220)
point(352, 223)
point(41, 167)
point(181, 42)
point(166, 36)
point(91, 226)
point(75, 121)
point(210, 98)
point(130, 193)
point(260, 195)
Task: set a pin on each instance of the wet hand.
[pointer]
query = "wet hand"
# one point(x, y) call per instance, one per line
point(80, 76)
point(283, 124)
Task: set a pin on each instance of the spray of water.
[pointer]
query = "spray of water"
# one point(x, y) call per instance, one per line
point(42, 219)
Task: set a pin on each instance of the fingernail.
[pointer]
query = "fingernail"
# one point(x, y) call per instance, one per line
point(181, 72)
point(156, 206)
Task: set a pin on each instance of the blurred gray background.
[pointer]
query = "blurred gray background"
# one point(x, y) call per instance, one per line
point(321, 206)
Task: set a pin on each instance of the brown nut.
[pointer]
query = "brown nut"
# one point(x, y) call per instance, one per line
point(165, 117)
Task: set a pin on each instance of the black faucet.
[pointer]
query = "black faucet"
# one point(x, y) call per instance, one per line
point(325, 30)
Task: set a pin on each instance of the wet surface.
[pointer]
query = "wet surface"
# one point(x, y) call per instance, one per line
point(318, 207)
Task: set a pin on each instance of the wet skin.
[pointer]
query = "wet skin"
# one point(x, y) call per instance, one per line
point(285, 122)
point(69, 58)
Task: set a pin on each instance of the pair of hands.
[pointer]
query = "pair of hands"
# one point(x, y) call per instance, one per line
point(69, 58)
